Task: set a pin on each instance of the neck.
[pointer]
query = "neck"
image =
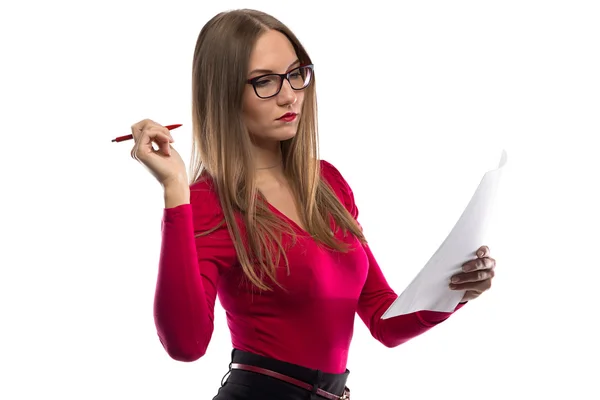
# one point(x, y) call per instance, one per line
point(268, 161)
point(268, 158)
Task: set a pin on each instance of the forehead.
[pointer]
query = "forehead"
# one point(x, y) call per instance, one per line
point(272, 51)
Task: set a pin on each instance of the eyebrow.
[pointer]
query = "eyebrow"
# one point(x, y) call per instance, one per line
point(268, 71)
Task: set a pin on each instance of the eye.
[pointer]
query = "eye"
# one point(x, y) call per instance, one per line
point(266, 81)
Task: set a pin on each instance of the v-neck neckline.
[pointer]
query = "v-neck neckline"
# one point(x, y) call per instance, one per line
point(291, 221)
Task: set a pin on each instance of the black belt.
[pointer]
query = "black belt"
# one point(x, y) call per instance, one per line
point(293, 381)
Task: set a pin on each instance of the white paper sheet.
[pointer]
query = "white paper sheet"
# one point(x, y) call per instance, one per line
point(429, 289)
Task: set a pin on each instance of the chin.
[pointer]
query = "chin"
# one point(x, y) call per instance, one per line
point(284, 133)
point(278, 135)
point(287, 134)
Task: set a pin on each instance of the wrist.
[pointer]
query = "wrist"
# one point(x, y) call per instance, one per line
point(176, 194)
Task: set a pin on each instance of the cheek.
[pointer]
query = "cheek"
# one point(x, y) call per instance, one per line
point(256, 112)
point(300, 99)
point(253, 113)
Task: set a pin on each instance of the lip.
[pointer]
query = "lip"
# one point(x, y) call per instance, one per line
point(287, 117)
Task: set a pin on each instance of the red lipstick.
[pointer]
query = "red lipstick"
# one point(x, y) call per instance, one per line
point(288, 117)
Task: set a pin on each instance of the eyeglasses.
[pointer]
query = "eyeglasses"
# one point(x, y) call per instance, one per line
point(269, 85)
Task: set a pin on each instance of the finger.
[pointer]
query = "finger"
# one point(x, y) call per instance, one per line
point(476, 276)
point(138, 128)
point(163, 141)
point(483, 251)
point(168, 133)
point(136, 132)
point(155, 131)
point(145, 143)
point(479, 286)
point(470, 295)
point(479, 264)
point(140, 139)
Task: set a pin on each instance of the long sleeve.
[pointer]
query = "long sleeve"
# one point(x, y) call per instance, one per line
point(188, 275)
point(377, 295)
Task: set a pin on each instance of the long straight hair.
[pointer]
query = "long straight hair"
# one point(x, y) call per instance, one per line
point(222, 146)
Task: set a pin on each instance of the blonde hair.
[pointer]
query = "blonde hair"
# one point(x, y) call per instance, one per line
point(222, 148)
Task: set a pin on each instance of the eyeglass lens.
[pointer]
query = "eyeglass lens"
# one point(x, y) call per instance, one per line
point(269, 85)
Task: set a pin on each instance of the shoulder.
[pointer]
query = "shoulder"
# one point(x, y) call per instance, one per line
point(332, 175)
point(206, 207)
point(210, 228)
point(339, 184)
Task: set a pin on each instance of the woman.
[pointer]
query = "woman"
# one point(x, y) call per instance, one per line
point(266, 225)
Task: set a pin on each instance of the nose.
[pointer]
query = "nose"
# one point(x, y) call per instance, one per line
point(287, 95)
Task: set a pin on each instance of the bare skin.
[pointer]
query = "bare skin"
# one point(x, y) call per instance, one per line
point(272, 53)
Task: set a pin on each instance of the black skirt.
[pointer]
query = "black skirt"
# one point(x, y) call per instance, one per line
point(247, 385)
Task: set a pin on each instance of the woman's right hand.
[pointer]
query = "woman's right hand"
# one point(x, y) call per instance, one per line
point(165, 164)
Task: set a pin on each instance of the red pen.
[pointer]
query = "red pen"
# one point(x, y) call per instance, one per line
point(129, 137)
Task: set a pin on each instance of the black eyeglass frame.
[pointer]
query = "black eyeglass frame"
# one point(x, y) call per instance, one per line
point(283, 77)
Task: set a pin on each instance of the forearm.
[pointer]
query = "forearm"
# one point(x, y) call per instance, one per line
point(183, 318)
point(394, 331)
point(377, 297)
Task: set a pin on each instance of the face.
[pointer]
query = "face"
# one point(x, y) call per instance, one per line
point(273, 53)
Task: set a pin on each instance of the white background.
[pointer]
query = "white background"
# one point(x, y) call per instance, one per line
point(416, 103)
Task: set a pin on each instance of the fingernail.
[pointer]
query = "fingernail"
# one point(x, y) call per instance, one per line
point(480, 253)
point(454, 279)
point(468, 268)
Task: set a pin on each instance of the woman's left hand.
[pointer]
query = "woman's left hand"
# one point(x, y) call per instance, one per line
point(477, 275)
